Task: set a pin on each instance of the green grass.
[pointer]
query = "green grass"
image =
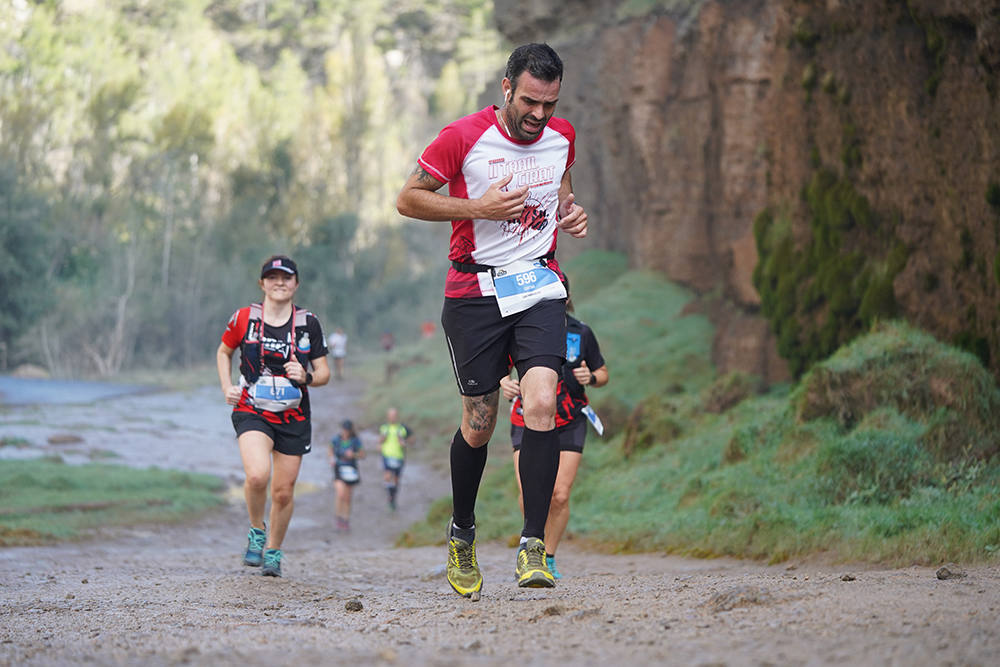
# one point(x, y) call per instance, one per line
point(45, 500)
point(885, 452)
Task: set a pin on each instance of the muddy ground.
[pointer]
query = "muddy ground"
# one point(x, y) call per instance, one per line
point(157, 595)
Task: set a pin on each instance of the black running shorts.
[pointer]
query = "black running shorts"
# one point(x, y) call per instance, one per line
point(482, 344)
point(571, 435)
point(346, 473)
point(292, 439)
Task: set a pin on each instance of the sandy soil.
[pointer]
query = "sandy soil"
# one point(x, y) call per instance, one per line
point(178, 594)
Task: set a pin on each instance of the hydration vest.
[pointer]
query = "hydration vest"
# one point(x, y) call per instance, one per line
point(252, 347)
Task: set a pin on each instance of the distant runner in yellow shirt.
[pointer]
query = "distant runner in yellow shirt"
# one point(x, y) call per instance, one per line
point(393, 436)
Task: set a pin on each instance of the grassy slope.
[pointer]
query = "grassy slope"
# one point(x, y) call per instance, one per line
point(46, 499)
point(885, 452)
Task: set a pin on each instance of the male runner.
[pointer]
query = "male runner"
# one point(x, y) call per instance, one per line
point(509, 193)
point(393, 436)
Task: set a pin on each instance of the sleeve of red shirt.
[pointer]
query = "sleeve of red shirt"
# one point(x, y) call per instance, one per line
point(237, 327)
point(565, 128)
point(444, 156)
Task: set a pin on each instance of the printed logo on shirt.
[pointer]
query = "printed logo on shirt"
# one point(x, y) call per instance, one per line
point(304, 344)
point(276, 347)
point(253, 334)
point(572, 347)
point(532, 218)
point(526, 172)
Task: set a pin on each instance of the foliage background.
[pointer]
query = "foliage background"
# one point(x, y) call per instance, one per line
point(153, 154)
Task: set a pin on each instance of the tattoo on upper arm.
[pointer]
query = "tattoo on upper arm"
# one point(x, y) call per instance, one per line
point(424, 177)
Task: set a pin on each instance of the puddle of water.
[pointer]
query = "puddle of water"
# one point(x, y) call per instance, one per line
point(33, 391)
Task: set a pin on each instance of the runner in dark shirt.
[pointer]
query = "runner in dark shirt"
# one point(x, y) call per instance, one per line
point(584, 367)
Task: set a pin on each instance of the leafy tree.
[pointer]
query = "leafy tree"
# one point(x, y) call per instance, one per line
point(24, 246)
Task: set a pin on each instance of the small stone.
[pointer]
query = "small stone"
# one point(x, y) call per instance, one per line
point(64, 439)
point(740, 596)
point(847, 577)
point(354, 605)
point(554, 610)
point(84, 581)
point(949, 572)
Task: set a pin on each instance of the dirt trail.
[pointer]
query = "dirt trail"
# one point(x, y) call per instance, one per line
point(178, 594)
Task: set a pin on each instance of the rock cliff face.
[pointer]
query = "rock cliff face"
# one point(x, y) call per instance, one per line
point(694, 116)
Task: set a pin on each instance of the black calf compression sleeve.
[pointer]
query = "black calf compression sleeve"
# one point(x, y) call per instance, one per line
point(467, 465)
point(538, 465)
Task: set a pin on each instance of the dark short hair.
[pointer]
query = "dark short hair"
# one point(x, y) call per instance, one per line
point(539, 60)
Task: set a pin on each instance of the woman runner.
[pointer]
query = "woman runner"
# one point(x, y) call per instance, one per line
point(279, 343)
point(345, 451)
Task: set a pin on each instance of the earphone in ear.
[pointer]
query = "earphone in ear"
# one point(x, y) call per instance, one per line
point(506, 97)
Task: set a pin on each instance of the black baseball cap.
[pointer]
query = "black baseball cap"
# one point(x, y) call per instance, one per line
point(279, 263)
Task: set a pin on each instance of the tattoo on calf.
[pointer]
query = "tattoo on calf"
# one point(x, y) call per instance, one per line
point(482, 411)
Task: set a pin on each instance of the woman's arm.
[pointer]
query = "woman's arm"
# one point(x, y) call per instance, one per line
point(320, 372)
point(224, 365)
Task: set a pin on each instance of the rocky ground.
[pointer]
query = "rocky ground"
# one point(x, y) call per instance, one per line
point(178, 594)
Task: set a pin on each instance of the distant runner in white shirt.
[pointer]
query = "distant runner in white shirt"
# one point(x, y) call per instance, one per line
point(338, 348)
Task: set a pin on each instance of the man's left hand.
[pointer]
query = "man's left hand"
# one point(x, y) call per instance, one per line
point(572, 218)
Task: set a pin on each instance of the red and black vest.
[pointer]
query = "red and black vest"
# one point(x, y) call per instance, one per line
point(251, 349)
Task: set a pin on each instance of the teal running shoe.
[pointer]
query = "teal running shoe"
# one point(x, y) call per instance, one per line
point(550, 561)
point(272, 563)
point(256, 539)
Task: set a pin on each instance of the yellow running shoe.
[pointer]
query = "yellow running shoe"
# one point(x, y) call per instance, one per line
point(463, 570)
point(531, 571)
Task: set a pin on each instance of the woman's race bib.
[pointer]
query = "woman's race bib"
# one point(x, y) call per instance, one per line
point(521, 284)
point(347, 472)
point(274, 393)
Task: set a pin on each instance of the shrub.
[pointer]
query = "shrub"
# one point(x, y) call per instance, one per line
point(895, 366)
point(870, 466)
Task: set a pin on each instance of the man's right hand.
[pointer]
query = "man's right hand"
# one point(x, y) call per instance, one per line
point(500, 204)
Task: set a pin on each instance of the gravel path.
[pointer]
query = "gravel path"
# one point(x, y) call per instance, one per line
point(157, 595)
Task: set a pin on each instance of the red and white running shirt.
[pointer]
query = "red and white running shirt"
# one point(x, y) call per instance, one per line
point(472, 153)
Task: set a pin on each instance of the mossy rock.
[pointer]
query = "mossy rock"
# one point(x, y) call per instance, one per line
point(654, 421)
point(730, 390)
point(946, 390)
point(614, 413)
point(819, 291)
point(993, 196)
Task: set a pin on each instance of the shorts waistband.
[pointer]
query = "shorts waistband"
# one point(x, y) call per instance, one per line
point(466, 267)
